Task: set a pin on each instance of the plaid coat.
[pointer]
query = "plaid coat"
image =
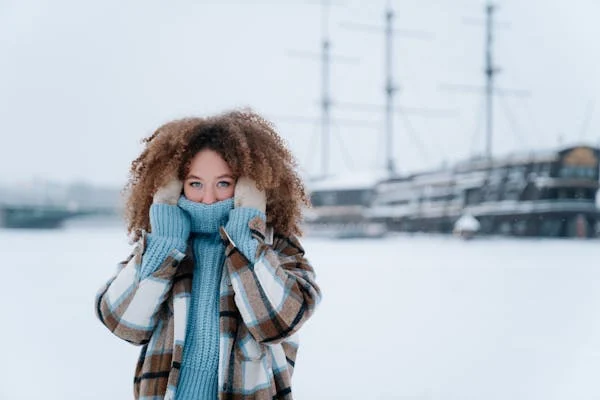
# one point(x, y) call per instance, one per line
point(262, 306)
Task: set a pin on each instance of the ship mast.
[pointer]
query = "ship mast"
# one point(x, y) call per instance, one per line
point(325, 90)
point(390, 90)
point(325, 120)
point(490, 72)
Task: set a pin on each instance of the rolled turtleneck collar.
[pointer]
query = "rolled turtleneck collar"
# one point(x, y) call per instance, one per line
point(206, 218)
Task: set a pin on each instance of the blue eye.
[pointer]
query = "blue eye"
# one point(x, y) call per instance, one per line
point(196, 184)
point(223, 184)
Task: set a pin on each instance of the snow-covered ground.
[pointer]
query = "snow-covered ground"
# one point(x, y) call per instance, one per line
point(402, 318)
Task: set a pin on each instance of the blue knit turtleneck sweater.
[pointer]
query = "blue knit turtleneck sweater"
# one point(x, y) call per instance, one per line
point(198, 375)
point(171, 226)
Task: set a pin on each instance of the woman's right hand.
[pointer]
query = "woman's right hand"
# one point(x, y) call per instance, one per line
point(169, 193)
point(166, 218)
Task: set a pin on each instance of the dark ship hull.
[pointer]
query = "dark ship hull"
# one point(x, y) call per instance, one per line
point(547, 195)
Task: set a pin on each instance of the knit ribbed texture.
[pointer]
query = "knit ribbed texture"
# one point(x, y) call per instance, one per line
point(197, 386)
point(206, 217)
point(200, 364)
point(170, 221)
point(170, 230)
point(237, 228)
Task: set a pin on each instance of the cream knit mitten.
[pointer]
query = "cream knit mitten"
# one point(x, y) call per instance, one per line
point(246, 194)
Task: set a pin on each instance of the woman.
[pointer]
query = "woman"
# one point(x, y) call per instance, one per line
point(219, 286)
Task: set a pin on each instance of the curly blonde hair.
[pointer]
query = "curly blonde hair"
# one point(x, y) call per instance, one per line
point(245, 140)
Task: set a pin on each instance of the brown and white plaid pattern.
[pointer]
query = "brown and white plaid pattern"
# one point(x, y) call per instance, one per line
point(262, 306)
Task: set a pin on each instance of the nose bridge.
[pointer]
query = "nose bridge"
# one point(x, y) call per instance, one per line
point(210, 195)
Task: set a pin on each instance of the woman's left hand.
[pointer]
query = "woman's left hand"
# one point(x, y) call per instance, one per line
point(246, 194)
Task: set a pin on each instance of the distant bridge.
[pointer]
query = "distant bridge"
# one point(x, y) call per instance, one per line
point(46, 216)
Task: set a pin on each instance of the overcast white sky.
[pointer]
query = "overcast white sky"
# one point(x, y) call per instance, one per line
point(82, 82)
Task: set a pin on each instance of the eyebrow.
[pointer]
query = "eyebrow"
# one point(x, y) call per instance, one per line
point(218, 177)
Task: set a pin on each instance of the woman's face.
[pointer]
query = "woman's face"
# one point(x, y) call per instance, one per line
point(209, 178)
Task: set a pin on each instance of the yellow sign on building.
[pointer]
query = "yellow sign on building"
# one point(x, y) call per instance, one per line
point(581, 156)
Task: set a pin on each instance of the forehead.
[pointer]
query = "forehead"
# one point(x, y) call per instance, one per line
point(208, 163)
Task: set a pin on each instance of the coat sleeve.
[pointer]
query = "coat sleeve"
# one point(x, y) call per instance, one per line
point(127, 305)
point(277, 293)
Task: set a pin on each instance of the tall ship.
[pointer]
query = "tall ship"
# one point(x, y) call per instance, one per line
point(547, 194)
point(540, 193)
